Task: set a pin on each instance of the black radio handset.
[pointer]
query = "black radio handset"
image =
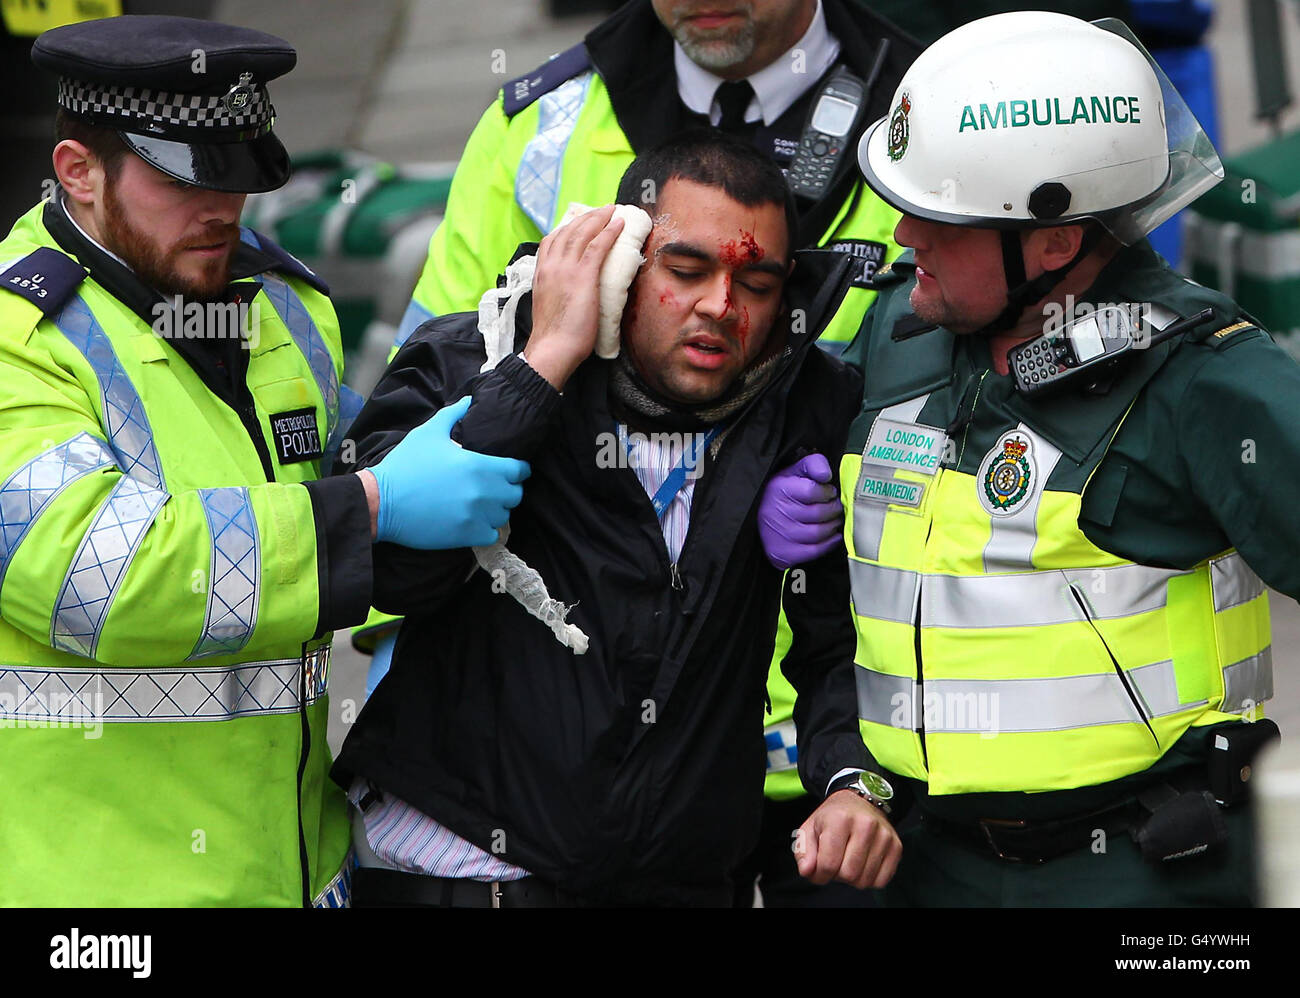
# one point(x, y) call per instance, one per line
point(1086, 349)
point(829, 131)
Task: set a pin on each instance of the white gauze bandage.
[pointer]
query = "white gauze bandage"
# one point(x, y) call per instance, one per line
point(617, 272)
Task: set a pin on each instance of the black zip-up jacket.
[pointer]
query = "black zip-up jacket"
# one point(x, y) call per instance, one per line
point(633, 773)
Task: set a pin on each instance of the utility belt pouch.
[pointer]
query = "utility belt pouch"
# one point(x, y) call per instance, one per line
point(1180, 825)
point(1232, 755)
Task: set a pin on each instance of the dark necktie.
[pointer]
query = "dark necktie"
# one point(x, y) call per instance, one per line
point(733, 97)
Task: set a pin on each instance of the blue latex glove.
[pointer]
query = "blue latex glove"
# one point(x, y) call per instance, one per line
point(800, 517)
point(435, 495)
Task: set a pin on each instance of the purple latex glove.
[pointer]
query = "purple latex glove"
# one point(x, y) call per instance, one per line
point(800, 517)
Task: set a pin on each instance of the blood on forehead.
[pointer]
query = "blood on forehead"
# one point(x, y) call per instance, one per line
point(741, 252)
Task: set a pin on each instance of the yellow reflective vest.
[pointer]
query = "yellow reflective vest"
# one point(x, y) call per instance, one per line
point(999, 649)
point(162, 705)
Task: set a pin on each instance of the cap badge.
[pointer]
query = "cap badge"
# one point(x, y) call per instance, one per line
point(240, 94)
point(898, 128)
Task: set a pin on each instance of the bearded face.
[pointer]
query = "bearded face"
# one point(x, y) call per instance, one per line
point(178, 239)
point(734, 38)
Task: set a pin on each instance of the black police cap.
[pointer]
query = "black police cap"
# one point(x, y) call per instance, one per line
point(188, 96)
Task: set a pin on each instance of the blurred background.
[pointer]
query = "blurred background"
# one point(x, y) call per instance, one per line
point(385, 94)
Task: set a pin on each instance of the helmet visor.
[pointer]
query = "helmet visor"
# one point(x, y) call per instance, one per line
point(1194, 166)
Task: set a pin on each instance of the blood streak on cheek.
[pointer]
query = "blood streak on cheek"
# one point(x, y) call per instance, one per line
point(742, 328)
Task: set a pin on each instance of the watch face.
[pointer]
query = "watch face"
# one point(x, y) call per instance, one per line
point(877, 785)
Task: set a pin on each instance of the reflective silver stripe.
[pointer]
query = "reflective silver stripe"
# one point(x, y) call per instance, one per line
point(868, 526)
point(100, 564)
point(30, 489)
point(1027, 599)
point(414, 316)
point(316, 672)
point(1248, 683)
point(1011, 542)
point(1233, 582)
point(129, 433)
point(293, 313)
point(350, 404)
point(234, 575)
point(781, 741)
point(166, 694)
point(869, 517)
point(1156, 686)
point(338, 892)
point(1036, 599)
point(537, 184)
point(1159, 316)
point(1012, 705)
point(885, 699)
point(883, 593)
point(992, 706)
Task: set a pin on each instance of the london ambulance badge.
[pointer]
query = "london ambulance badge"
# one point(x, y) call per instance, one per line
point(1006, 474)
point(898, 129)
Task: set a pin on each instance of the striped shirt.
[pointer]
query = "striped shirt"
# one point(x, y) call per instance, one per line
point(404, 837)
point(652, 458)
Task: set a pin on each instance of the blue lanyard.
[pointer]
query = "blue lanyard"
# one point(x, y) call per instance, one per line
point(676, 479)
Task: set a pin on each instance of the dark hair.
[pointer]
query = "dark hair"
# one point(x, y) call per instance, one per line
point(106, 145)
point(714, 159)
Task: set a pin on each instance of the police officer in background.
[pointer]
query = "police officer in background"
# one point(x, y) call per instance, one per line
point(1070, 465)
point(568, 129)
point(170, 567)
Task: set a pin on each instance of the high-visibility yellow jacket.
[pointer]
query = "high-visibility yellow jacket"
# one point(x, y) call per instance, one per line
point(162, 698)
point(999, 648)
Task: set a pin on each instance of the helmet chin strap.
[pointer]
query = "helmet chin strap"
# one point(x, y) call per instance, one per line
point(1024, 293)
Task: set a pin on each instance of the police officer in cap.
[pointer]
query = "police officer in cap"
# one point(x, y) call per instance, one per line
point(171, 568)
point(1072, 475)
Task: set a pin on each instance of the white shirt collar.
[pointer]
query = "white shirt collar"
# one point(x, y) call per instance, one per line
point(776, 86)
point(89, 238)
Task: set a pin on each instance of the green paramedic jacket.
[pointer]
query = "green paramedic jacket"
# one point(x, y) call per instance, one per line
point(1053, 598)
point(164, 608)
point(566, 132)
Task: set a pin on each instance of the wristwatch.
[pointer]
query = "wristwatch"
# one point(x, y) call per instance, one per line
point(867, 785)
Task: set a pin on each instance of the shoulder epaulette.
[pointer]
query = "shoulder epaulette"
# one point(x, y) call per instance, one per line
point(285, 262)
point(45, 277)
point(518, 93)
point(890, 274)
point(1231, 330)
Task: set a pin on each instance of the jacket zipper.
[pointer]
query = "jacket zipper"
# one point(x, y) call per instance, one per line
point(1119, 671)
point(962, 422)
point(920, 668)
point(248, 416)
point(303, 864)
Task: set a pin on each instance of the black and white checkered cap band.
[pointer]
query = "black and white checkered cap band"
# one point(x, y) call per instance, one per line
point(137, 105)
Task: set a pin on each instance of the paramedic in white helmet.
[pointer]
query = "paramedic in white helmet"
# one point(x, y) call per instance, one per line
point(1071, 477)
